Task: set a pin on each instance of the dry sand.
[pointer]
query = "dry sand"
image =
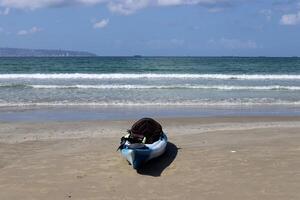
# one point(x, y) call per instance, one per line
point(207, 158)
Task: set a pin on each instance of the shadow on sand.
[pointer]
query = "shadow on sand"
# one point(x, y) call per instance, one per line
point(156, 166)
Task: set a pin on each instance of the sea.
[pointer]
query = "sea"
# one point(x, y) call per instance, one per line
point(130, 87)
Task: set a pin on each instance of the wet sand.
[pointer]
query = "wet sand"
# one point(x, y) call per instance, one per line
point(207, 158)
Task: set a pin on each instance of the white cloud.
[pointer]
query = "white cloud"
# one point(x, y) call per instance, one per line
point(127, 7)
point(5, 11)
point(181, 2)
point(189, 2)
point(89, 2)
point(233, 43)
point(170, 2)
point(101, 24)
point(34, 4)
point(29, 31)
point(124, 7)
point(290, 19)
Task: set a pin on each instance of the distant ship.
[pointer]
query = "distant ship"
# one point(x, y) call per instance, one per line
point(137, 56)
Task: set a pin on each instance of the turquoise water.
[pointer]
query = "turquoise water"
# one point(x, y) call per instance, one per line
point(165, 65)
point(129, 81)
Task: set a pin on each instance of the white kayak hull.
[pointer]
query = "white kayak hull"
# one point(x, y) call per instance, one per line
point(137, 154)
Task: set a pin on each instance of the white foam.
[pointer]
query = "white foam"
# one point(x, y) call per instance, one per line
point(186, 86)
point(236, 103)
point(152, 76)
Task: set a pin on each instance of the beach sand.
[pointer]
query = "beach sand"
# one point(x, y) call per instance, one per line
point(222, 158)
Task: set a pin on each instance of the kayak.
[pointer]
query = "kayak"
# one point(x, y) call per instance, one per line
point(138, 154)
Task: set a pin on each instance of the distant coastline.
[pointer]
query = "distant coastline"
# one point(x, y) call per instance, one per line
point(20, 52)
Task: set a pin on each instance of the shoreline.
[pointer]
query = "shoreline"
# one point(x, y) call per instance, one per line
point(208, 157)
point(106, 113)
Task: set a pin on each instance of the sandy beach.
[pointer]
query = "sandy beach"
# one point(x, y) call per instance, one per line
point(207, 158)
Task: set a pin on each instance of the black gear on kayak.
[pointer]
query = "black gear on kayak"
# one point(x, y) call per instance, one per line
point(145, 130)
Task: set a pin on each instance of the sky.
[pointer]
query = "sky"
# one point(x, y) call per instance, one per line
point(154, 27)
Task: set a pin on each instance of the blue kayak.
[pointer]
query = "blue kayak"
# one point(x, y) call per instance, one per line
point(138, 154)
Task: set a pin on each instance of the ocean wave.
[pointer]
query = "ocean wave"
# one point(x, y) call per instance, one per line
point(128, 87)
point(223, 103)
point(13, 85)
point(153, 76)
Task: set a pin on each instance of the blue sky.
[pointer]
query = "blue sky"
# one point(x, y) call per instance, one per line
point(154, 27)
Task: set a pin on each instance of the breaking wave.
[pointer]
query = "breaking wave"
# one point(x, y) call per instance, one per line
point(240, 102)
point(185, 86)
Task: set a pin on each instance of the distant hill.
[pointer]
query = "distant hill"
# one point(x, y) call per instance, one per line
point(16, 52)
